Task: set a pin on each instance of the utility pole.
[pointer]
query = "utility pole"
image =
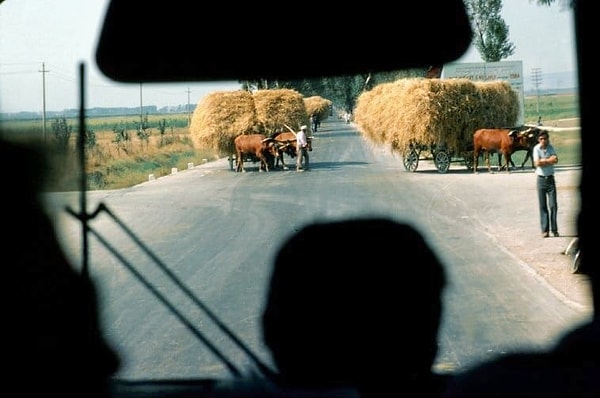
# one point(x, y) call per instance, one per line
point(44, 71)
point(141, 108)
point(188, 108)
point(536, 79)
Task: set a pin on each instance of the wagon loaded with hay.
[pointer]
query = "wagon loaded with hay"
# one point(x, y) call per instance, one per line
point(222, 116)
point(434, 119)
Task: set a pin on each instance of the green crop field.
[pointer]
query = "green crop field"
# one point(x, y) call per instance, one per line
point(560, 114)
point(551, 107)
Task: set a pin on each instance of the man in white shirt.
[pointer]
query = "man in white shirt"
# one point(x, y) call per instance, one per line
point(544, 159)
point(302, 149)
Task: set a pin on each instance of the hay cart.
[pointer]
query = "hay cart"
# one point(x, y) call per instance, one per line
point(434, 119)
point(441, 154)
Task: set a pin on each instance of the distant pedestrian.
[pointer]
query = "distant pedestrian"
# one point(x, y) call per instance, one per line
point(315, 123)
point(347, 117)
point(544, 159)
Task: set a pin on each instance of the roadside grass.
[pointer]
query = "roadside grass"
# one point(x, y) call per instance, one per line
point(568, 145)
point(113, 163)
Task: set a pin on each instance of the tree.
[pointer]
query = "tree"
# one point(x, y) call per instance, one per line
point(490, 32)
point(344, 90)
point(62, 132)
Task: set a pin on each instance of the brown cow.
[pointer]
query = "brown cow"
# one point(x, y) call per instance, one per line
point(502, 141)
point(257, 145)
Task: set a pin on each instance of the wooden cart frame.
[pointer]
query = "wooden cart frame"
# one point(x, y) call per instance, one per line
point(441, 155)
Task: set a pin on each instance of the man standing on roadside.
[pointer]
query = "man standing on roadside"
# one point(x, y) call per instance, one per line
point(302, 149)
point(544, 159)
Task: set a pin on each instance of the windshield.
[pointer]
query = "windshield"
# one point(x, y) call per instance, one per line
point(183, 229)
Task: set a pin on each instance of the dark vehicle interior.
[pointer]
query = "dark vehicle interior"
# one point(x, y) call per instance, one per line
point(237, 53)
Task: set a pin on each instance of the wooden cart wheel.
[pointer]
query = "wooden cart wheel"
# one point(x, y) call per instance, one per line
point(576, 263)
point(573, 251)
point(441, 160)
point(410, 159)
point(469, 160)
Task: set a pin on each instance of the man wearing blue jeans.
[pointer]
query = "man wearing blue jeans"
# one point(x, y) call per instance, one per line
point(544, 159)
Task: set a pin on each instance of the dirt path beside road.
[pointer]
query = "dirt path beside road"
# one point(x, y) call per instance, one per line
point(546, 257)
point(515, 221)
point(561, 124)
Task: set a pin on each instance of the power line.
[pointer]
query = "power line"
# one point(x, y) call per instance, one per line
point(536, 79)
point(188, 107)
point(44, 71)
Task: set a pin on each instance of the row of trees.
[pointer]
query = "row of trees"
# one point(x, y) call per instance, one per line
point(490, 37)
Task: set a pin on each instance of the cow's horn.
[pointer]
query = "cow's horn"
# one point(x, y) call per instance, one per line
point(291, 129)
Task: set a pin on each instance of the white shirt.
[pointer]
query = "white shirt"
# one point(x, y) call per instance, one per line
point(301, 141)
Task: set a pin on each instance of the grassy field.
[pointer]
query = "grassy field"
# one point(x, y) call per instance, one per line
point(119, 157)
point(551, 107)
point(560, 115)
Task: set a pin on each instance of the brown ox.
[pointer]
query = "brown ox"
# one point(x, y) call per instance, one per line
point(531, 139)
point(501, 141)
point(287, 144)
point(256, 145)
point(530, 133)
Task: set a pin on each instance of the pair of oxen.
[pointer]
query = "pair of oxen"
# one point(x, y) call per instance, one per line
point(504, 141)
point(269, 151)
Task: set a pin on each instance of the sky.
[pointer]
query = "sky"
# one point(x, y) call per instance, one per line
point(57, 36)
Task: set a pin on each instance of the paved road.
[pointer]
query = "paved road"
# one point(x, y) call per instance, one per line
point(219, 229)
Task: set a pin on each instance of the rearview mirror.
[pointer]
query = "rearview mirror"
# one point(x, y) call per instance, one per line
point(140, 42)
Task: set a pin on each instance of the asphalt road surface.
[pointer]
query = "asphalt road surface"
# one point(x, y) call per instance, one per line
point(216, 233)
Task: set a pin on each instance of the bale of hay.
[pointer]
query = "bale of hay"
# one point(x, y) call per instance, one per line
point(277, 108)
point(498, 104)
point(318, 106)
point(221, 116)
point(433, 112)
point(372, 113)
point(438, 113)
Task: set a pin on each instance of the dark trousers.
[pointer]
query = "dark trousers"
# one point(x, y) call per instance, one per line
point(546, 190)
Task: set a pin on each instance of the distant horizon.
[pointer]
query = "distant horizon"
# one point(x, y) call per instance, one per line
point(552, 81)
point(549, 83)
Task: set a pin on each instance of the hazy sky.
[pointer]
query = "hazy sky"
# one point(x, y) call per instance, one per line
point(61, 34)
